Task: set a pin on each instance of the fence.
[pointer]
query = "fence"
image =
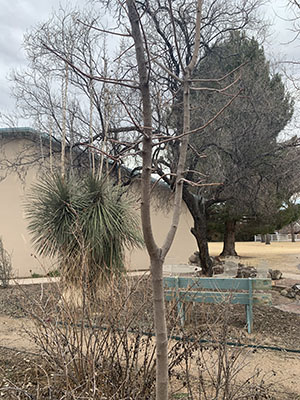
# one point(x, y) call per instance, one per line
point(279, 237)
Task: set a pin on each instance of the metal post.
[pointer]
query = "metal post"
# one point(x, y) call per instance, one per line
point(249, 307)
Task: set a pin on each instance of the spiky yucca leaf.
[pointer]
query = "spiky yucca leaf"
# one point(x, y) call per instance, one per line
point(86, 223)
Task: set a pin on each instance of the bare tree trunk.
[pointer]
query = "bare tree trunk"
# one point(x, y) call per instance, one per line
point(64, 117)
point(268, 238)
point(162, 378)
point(153, 251)
point(157, 255)
point(91, 151)
point(229, 239)
point(50, 145)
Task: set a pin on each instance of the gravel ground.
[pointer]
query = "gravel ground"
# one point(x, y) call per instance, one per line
point(272, 327)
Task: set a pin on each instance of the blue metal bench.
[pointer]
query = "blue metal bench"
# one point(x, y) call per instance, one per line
point(218, 290)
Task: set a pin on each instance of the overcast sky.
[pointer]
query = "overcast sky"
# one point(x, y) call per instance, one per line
point(18, 16)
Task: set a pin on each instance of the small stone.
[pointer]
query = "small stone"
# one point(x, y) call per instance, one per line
point(194, 258)
point(218, 269)
point(296, 287)
point(245, 271)
point(284, 292)
point(291, 294)
point(275, 274)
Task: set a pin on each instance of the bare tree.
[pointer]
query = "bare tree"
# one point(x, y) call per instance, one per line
point(157, 254)
point(88, 113)
point(173, 51)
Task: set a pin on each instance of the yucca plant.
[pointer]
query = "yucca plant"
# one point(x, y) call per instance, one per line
point(86, 223)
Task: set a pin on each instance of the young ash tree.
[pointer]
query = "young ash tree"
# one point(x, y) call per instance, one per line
point(157, 254)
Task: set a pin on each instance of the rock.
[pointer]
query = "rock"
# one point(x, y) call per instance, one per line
point(275, 274)
point(246, 271)
point(296, 287)
point(230, 268)
point(198, 271)
point(218, 269)
point(194, 258)
point(217, 260)
point(291, 293)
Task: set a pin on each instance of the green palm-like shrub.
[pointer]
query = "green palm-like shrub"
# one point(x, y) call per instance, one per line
point(86, 223)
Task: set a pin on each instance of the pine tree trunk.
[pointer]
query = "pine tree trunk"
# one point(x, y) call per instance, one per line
point(293, 232)
point(197, 209)
point(229, 239)
point(200, 232)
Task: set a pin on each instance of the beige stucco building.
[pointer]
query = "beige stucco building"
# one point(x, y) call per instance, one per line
point(24, 154)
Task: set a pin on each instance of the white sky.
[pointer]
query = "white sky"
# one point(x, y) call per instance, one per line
point(18, 16)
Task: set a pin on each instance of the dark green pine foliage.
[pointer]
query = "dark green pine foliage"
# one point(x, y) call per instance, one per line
point(241, 145)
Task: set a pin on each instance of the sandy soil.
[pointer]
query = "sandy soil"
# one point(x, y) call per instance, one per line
point(284, 256)
point(281, 369)
point(13, 333)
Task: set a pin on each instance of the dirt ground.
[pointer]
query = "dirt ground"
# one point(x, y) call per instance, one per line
point(273, 327)
point(284, 256)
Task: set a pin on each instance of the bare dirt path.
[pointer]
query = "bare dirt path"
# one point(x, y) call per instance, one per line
point(280, 370)
point(284, 256)
point(13, 333)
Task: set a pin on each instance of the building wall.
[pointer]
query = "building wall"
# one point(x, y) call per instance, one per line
point(183, 246)
point(14, 184)
point(13, 224)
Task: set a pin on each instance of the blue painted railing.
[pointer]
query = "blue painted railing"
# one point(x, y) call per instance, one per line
point(218, 290)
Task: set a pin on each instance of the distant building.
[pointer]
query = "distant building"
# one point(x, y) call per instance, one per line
point(288, 228)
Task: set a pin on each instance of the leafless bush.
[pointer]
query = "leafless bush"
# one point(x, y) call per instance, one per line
point(213, 368)
point(99, 349)
point(104, 349)
point(5, 266)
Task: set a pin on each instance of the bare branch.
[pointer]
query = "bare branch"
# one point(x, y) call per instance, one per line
point(215, 89)
point(95, 78)
point(111, 32)
point(167, 71)
point(199, 183)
